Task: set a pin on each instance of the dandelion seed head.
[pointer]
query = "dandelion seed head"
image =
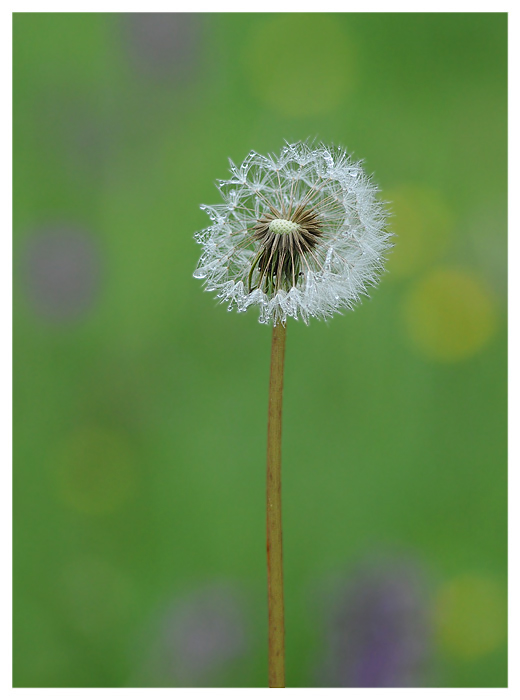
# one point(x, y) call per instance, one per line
point(300, 235)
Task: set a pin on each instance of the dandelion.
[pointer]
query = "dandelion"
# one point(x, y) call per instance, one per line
point(299, 235)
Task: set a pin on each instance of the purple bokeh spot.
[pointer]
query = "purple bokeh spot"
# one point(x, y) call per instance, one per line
point(163, 45)
point(379, 630)
point(61, 271)
point(201, 634)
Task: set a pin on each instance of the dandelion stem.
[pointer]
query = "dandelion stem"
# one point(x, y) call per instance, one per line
point(274, 512)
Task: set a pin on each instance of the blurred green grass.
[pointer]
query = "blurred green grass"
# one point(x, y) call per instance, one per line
point(389, 442)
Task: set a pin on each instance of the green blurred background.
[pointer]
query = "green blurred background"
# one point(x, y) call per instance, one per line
point(140, 404)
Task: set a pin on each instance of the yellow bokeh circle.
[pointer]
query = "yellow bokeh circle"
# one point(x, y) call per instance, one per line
point(300, 64)
point(422, 222)
point(471, 616)
point(94, 470)
point(450, 314)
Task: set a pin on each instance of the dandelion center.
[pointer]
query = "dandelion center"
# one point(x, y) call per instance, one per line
point(283, 226)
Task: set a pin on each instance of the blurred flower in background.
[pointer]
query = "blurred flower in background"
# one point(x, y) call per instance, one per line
point(197, 638)
point(61, 272)
point(379, 630)
point(163, 46)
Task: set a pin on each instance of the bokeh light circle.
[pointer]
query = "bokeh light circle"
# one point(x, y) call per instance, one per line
point(450, 314)
point(95, 471)
point(300, 64)
point(471, 616)
point(422, 222)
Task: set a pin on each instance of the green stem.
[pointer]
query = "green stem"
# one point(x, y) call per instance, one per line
point(274, 513)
